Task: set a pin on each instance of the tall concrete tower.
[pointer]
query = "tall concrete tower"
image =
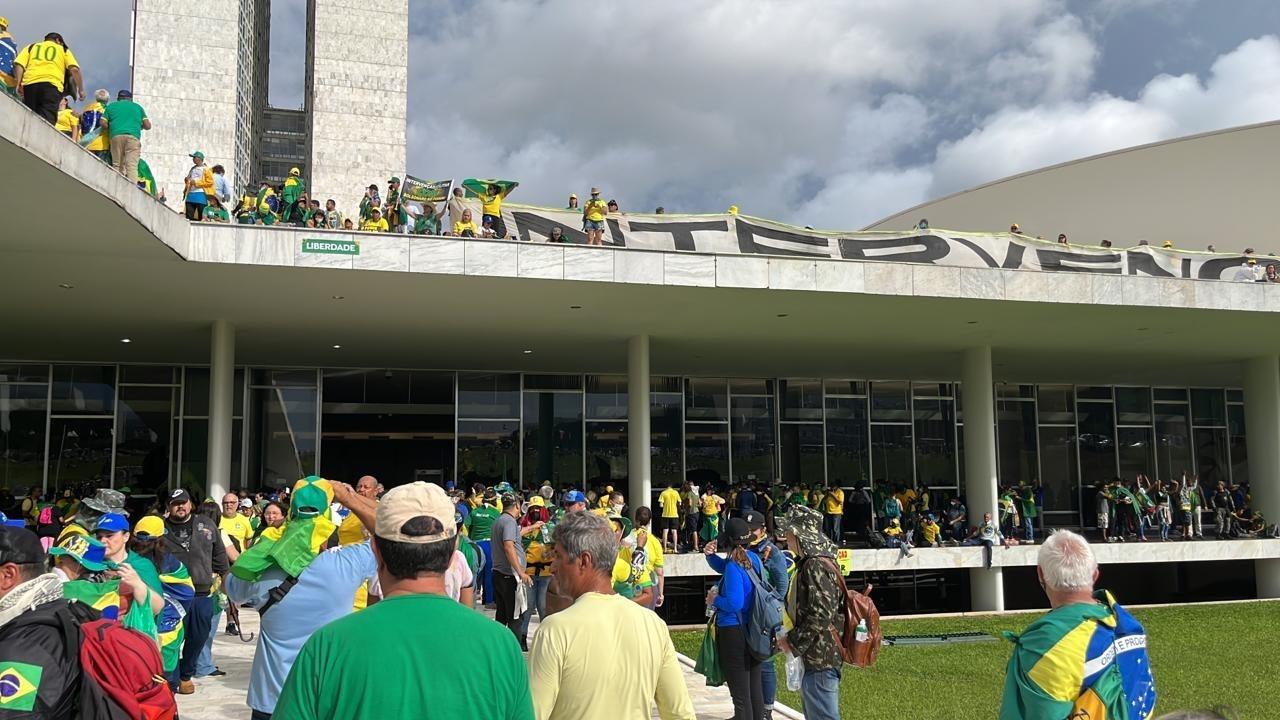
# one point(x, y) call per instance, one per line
point(201, 71)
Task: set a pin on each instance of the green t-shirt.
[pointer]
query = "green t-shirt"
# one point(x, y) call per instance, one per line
point(124, 117)
point(480, 522)
point(370, 665)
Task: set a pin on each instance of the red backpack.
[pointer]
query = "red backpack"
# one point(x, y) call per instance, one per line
point(122, 676)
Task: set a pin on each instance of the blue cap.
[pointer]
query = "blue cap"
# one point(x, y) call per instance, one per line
point(573, 496)
point(112, 522)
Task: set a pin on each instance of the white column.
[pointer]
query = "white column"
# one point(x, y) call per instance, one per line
point(986, 587)
point(640, 480)
point(222, 373)
point(1262, 436)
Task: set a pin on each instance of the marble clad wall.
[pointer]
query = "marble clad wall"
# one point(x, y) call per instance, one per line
point(358, 65)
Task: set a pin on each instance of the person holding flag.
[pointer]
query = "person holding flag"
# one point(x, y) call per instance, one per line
point(491, 194)
point(175, 586)
point(294, 189)
point(93, 132)
point(8, 51)
point(396, 216)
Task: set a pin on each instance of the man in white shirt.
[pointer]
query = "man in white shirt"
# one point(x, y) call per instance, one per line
point(602, 635)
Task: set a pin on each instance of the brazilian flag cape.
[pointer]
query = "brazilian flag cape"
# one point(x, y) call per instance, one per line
point(101, 596)
point(1083, 660)
point(146, 180)
point(170, 626)
point(305, 532)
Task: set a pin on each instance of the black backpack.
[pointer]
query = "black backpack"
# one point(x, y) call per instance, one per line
point(875, 540)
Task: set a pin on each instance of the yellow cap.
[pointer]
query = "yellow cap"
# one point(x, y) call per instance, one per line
point(573, 196)
point(608, 488)
point(151, 526)
point(537, 501)
point(295, 171)
point(1167, 244)
point(4, 22)
point(733, 209)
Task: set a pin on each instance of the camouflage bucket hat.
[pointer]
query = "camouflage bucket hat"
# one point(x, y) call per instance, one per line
point(806, 524)
point(106, 501)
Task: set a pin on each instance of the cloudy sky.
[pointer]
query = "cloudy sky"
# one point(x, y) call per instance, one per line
point(831, 114)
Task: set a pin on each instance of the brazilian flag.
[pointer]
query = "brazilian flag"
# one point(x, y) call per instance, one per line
point(19, 685)
point(101, 596)
point(146, 180)
point(171, 626)
point(304, 533)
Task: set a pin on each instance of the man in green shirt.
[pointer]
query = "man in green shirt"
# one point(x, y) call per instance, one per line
point(480, 529)
point(369, 665)
point(294, 193)
point(125, 120)
point(1030, 511)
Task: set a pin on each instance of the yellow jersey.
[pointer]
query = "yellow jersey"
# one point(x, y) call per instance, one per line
point(102, 142)
point(670, 502)
point(492, 204)
point(461, 227)
point(66, 121)
point(595, 209)
point(931, 532)
point(237, 527)
point(45, 62)
point(711, 504)
point(371, 225)
point(834, 501)
point(351, 531)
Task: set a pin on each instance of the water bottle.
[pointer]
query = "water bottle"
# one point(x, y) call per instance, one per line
point(546, 534)
point(860, 634)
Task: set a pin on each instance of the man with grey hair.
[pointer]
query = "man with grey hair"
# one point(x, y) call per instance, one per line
point(1088, 656)
point(601, 635)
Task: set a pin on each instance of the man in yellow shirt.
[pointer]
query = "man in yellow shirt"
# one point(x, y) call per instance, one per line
point(833, 512)
point(593, 218)
point(40, 72)
point(571, 653)
point(711, 503)
point(235, 525)
point(375, 223)
point(669, 501)
point(351, 532)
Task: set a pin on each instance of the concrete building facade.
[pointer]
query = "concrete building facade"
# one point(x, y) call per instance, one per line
point(202, 72)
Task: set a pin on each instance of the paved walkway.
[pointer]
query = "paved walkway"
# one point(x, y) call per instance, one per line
point(223, 698)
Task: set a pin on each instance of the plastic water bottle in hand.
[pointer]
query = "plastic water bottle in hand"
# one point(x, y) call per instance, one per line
point(795, 672)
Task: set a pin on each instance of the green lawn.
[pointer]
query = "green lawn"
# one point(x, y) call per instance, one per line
point(1202, 656)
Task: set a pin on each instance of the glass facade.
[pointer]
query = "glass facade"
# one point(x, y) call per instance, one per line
point(146, 427)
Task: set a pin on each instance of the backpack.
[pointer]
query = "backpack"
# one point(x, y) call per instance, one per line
point(875, 540)
point(122, 676)
point(765, 621)
point(860, 637)
point(46, 525)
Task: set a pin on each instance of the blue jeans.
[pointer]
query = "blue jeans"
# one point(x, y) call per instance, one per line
point(486, 572)
point(1029, 524)
point(769, 681)
point(832, 523)
point(205, 665)
point(820, 691)
point(537, 601)
point(198, 629)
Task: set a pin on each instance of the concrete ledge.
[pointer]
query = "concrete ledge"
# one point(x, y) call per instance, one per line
point(955, 558)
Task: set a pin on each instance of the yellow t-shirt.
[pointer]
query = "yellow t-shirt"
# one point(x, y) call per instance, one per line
point(102, 142)
point(66, 121)
point(893, 531)
point(461, 227)
point(930, 531)
point(595, 209)
point(237, 527)
point(834, 501)
point(906, 497)
point(670, 502)
point(351, 531)
point(711, 504)
point(492, 204)
point(45, 61)
point(371, 225)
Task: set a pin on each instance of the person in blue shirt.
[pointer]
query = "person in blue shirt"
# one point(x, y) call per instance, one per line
point(732, 600)
point(746, 500)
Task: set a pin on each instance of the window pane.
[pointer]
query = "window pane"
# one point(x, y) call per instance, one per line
point(79, 453)
point(891, 456)
point(194, 467)
point(666, 433)
point(1133, 406)
point(1097, 442)
point(607, 453)
point(1211, 455)
point(23, 409)
point(753, 438)
point(390, 387)
point(428, 387)
point(846, 387)
point(284, 378)
point(284, 433)
point(552, 438)
point(147, 374)
point(607, 397)
point(1239, 450)
point(145, 421)
point(1057, 404)
point(1208, 407)
point(801, 399)
point(664, 384)
point(1173, 440)
point(1027, 392)
point(24, 373)
point(1093, 392)
point(195, 392)
point(1136, 452)
point(488, 396)
point(889, 402)
point(707, 452)
point(1170, 394)
point(1058, 469)
point(935, 435)
point(84, 389)
point(1235, 395)
point(343, 386)
point(801, 451)
point(927, 389)
point(552, 382)
point(706, 399)
point(848, 442)
point(1016, 441)
point(488, 451)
